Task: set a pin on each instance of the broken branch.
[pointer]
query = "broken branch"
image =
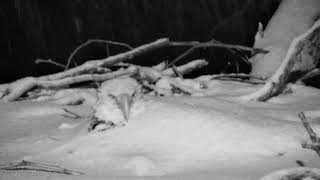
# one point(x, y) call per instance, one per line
point(315, 142)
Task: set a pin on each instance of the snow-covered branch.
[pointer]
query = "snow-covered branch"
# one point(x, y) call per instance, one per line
point(84, 72)
point(278, 81)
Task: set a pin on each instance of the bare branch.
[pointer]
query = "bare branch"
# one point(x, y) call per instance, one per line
point(49, 61)
point(311, 74)
point(315, 142)
point(249, 78)
point(93, 64)
point(176, 72)
point(90, 41)
point(84, 78)
point(278, 81)
point(218, 44)
point(212, 43)
point(27, 165)
point(187, 68)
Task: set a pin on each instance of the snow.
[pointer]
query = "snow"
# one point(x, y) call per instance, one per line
point(211, 135)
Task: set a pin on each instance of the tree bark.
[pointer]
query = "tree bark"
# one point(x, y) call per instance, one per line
point(293, 18)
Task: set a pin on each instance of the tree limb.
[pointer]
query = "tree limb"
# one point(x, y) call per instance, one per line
point(93, 64)
point(315, 142)
point(12, 91)
point(90, 41)
point(278, 81)
point(212, 43)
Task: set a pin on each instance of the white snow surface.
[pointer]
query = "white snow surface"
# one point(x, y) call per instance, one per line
point(213, 136)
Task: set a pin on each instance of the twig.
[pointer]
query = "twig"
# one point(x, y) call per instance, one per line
point(315, 142)
point(93, 64)
point(189, 51)
point(176, 72)
point(74, 52)
point(311, 74)
point(218, 76)
point(310, 131)
point(72, 114)
point(49, 61)
point(180, 89)
point(27, 165)
point(212, 43)
point(245, 78)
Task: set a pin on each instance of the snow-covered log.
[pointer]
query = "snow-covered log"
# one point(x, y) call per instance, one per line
point(292, 18)
point(302, 44)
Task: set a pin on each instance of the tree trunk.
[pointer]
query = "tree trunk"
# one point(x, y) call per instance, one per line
point(293, 18)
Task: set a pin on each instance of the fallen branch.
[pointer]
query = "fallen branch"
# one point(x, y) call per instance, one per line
point(315, 141)
point(176, 72)
point(94, 64)
point(49, 61)
point(278, 81)
point(93, 41)
point(187, 68)
point(27, 165)
point(238, 76)
point(84, 78)
point(220, 45)
point(212, 43)
point(311, 74)
point(14, 90)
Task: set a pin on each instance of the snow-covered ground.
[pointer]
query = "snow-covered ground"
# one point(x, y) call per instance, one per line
point(216, 136)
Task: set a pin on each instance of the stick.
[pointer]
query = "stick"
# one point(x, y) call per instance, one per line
point(220, 45)
point(93, 41)
point(176, 72)
point(211, 43)
point(27, 165)
point(187, 68)
point(311, 74)
point(84, 77)
point(239, 76)
point(93, 64)
point(49, 61)
point(312, 135)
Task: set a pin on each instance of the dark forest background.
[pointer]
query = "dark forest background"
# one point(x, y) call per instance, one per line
point(32, 29)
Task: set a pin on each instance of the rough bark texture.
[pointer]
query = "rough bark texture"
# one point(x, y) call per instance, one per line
point(293, 18)
point(294, 58)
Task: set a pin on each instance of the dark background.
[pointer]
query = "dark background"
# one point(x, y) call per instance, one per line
point(32, 29)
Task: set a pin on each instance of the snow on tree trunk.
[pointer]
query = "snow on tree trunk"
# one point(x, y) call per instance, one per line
point(292, 18)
